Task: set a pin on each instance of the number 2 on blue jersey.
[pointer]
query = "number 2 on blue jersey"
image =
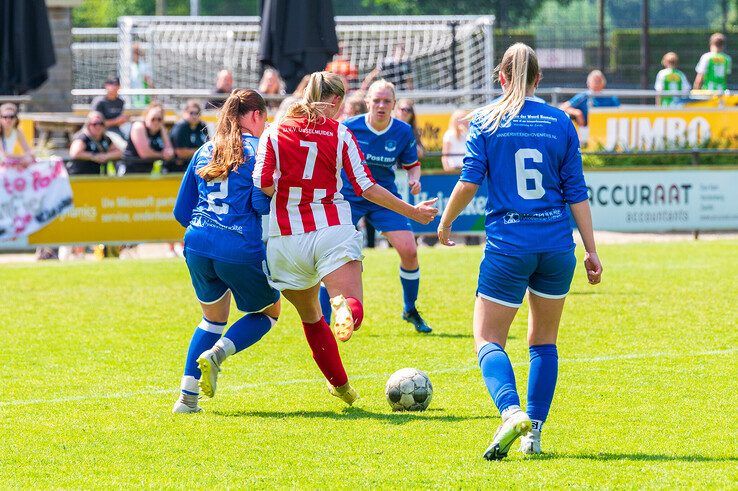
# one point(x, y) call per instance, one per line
point(220, 193)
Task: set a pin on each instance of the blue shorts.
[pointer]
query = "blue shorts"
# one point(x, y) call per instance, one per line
point(503, 278)
point(380, 217)
point(212, 279)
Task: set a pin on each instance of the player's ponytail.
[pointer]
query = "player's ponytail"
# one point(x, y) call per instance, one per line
point(320, 87)
point(519, 66)
point(227, 143)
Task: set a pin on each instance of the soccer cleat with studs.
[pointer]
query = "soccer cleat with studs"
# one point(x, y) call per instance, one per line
point(513, 426)
point(186, 404)
point(414, 318)
point(209, 366)
point(343, 320)
point(346, 393)
point(530, 443)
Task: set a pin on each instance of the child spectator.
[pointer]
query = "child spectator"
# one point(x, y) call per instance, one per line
point(714, 67)
point(670, 79)
point(578, 106)
point(92, 148)
point(454, 141)
point(188, 134)
point(13, 144)
point(111, 106)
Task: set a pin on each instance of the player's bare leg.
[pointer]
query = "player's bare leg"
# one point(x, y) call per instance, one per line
point(543, 328)
point(322, 342)
point(346, 292)
point(404, 242)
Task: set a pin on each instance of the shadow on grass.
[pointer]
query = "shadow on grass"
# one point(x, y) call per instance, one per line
point(637, 457)
point(353, 413)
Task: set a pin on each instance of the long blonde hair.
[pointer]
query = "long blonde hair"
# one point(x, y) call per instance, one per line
point(227, 143)
point(519, 65)
point(320, 87)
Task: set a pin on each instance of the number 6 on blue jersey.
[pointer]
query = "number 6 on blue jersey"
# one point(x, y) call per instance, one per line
point(522, 174)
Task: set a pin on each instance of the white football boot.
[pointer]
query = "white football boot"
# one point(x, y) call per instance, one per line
point(186, 404)
point(343, 320)
point(346, 393)
point(530, 443)
point(514, 425)
point(209, 366)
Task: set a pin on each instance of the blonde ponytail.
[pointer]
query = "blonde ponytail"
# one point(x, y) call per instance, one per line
point(320, 87)
point(519, 65)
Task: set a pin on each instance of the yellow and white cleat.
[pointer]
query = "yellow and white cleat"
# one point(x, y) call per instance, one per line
point(209, 366)
point(513, 426)
point(343, 321)
point(346, 393)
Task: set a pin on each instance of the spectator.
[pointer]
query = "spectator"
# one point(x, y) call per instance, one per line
point(111, 106)
point(188, 134)
point(405, 111)
point(148, 142)
point(223, 85)
point(396, 69)
point(271, 84)
point(454, 141)
point(578, 106)
point(670, 79)
point(354, 104)
point(92, 148)
point(140, 77)
point(13, 144)
point(714, 67)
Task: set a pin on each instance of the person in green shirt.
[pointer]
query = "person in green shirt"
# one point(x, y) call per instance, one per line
point(670, 79)
point(714, 67)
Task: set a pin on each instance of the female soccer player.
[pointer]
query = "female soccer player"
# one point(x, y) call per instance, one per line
point(388, 142)
point(312, 237)
point(223, 248)
point(529, 154)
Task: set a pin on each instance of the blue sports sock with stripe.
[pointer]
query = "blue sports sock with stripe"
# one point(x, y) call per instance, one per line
point(205, 336)
point(325, 303)
point(247, 331)
point(410, 280)
point(544, 369)
point(498, 375)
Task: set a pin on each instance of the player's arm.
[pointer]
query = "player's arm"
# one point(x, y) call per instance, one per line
point(186, 197)
point(410, 162)
point(461, 196)
point(700, 69)
point(266, 164)
point(424, 212)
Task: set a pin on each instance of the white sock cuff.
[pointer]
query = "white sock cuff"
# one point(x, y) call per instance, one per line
point(507, 412)
point(189, 383)
point(410, 275)
point(536, 425)
point(208, 326)
point(272, 321)
point(226, 345)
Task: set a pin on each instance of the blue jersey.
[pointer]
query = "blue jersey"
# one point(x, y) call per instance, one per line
point(222, 223)
point(533, 167)
point(383, 151)
point(584, 100)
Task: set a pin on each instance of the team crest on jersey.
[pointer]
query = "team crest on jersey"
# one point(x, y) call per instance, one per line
point(390, 145)
point(511, 217)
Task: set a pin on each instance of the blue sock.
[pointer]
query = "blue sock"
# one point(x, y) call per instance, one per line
point(247, 330)
point(498, 375)
point(325, 303)
point(410, 280)
point(544, 368)
point(205, 336)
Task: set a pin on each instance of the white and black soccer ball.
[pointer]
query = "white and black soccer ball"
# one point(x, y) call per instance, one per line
point(409, 389)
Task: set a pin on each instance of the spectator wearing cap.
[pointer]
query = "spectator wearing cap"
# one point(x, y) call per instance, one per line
point(714, 66)
point(223, 85)
point(670, 79)
point(92, 148)
point(578, 106)
point(187, 135)
point(111, 106)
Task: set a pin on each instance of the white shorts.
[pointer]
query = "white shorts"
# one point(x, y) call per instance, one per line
point(298, 262)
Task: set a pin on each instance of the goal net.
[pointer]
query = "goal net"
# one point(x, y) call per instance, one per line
point(448, 54)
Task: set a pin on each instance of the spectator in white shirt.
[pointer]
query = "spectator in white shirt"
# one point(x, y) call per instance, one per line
point(454, 141)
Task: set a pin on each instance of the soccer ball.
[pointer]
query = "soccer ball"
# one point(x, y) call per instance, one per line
point(409, 389)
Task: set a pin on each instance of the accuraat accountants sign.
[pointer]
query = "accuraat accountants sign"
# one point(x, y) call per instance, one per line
point(668, 200)
point(656, 129)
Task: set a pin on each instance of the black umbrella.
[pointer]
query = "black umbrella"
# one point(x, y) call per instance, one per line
point(297, 37)
point(26, 47)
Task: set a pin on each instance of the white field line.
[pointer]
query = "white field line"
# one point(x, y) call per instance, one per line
point(254, 385)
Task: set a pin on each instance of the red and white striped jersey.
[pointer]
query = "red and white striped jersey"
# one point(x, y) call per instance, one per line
point(304, 165)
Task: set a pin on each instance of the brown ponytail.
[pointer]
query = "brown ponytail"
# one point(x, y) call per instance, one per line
point(228, 147)
point(320, 87)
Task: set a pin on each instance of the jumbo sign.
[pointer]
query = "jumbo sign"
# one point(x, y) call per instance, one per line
point(657, 129)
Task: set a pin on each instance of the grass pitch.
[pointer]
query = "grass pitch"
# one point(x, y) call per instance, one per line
point(92, 354)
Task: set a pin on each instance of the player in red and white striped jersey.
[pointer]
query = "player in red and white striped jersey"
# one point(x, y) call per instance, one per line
point(311, 235)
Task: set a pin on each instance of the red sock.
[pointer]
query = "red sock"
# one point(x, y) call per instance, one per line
point(325, 351)
point(357, 311)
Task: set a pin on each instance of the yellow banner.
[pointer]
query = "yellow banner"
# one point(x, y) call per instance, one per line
point(625, 129)
point(116, 210)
